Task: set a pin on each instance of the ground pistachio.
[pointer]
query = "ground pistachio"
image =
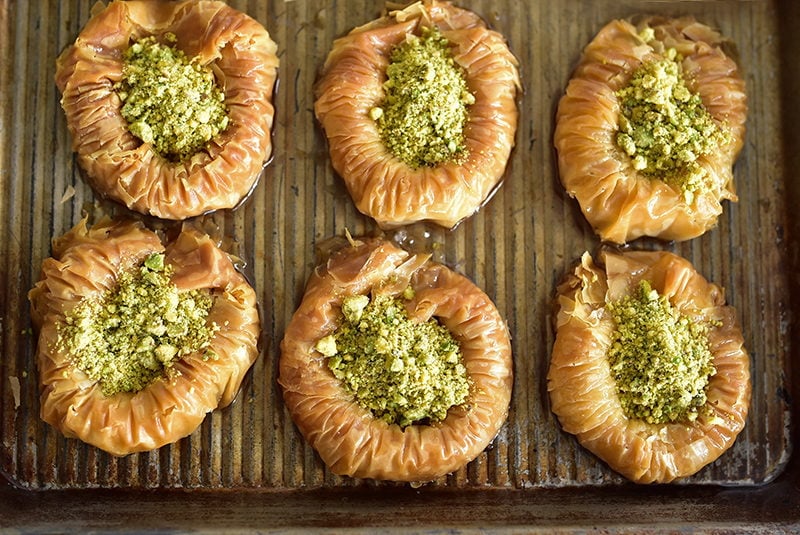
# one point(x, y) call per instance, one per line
point(659, 358)
point(132, 334)
point(170, 101)
point(423, 116)
point(664, 127)
point(403, 371)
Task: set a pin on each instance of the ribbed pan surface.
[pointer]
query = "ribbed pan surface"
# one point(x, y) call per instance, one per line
point(516, 248)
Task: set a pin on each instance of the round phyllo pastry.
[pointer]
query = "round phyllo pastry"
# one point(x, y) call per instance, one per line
point(649, 128)
point(139, 339)
point(648, 367)
point(170, 104)
point(420, 113)
point(394, 367)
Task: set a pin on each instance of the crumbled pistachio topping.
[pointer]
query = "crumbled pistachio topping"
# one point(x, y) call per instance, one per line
point(402, 371)
point(424, 112)
point(659, 358)
point(647, 34)
point(665, 128)
point(134, 333)
point(170, 101)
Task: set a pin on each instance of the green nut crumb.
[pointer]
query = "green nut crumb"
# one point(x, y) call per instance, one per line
point(647, 34)
point(424, 112)
point(659, 358)
point(665, 128)
point(404, 372)
point(154, 262)
point(170, 101)
point(134, 333)
point(327, 345)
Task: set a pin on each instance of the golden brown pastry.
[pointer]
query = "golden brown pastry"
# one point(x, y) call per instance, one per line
point(587, 398)
point(120, 165)
point(142, 408)
point(620, 196)
point(352, 85)
point(349, 438)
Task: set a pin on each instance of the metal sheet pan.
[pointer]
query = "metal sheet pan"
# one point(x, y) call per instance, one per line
point(250, 457)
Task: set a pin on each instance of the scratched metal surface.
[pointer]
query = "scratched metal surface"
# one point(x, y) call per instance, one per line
point(516, 247)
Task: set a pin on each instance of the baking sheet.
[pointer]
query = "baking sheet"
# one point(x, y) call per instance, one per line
point(516, 248)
